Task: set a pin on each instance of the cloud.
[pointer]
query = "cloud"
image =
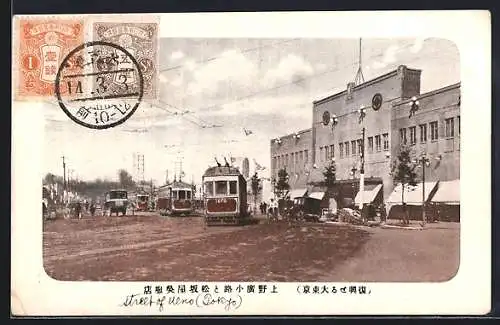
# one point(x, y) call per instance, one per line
point(177, 55)
point(163, 78)
point(232, 68)
point(390, 56)
point(290, 68)
point(190, 65)
point(417, 45)
point(290, 106)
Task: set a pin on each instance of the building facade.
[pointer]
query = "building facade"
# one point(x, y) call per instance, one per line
point(433, 130)
point(365, 125)
point(293, 153)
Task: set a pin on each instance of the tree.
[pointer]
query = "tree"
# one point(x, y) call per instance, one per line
point(125, 179)
point(49, 178)
point(403, 172)
point(282, 185)
point(256, 188)
point(330, 175)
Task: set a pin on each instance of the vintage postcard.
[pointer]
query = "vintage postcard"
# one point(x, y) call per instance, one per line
point(200, 164)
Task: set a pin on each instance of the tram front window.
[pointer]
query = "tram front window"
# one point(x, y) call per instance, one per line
point(233, 189)
point(182, 195)
point(188, 196)
point(209, 188)
point(221, 188)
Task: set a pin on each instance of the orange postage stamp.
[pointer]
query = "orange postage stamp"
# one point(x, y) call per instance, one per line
point(42, 45)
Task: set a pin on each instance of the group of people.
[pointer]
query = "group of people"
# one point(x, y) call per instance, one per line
point(78, 207)
point(270, 209)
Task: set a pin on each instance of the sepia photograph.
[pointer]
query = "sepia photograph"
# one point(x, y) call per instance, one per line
point(260, 160)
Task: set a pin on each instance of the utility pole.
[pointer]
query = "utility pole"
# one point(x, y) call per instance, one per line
point(425, 161)
point(362, 174)
point(64, 173)
point(166, 176)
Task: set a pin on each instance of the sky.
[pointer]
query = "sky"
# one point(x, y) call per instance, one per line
point(212, 89)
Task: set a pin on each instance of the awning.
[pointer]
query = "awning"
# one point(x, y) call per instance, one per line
point(412, 195)
point(448, 192)
point(317, 195)
point(299, 192)
point(369, 194)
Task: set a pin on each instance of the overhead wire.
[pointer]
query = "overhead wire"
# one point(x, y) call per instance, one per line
point(214, 58)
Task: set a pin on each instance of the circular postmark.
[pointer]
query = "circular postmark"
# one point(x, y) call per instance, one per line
point(99, 85)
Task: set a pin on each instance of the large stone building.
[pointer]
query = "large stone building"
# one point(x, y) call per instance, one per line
point(379, 110)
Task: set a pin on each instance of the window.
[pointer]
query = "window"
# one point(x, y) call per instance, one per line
point(296, 158)
point(378, 143)
point(306, 156)
point(286, 160)
point(233, 189)
point(117, 195)
point(434, 130)
point(449, 127)
point(182, 195)
point(332, 151)
point(402, 135)
point(458, 124)
point(370, 144)
point(413, 135)
point(353, 148)
point(188, 196)
point(175, 195)
point(423, 133)
point(360, 147)
point(221, 188)
point(302, 157)
point(327, 153)
point(346, 144)
point(321, 154)
point(385, 137)
point(341, 150)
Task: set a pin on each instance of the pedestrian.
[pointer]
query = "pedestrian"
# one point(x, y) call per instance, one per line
point(78, 210)
point(92, 208)
point(264, 207)
point(44, 209)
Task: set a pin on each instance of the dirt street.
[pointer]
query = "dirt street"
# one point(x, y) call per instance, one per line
point(183, 249)
point(153, 248)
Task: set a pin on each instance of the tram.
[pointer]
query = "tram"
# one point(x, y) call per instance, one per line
point(225, 196)
point(175, 198)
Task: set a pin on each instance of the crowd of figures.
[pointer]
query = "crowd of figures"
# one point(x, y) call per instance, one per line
point(69, 210)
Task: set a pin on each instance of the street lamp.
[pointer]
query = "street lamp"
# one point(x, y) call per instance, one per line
point(334, 120)
point(362, 113)
point(424, 161)
point(414, 106)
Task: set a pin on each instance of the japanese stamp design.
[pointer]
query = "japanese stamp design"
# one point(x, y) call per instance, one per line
point(43, 44)
point(141, 41)
point(108, 91)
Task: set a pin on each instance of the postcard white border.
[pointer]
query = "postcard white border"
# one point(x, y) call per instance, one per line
point(469, 292)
